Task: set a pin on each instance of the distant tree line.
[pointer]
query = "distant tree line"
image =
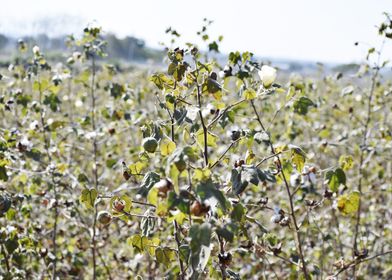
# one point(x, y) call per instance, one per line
point(128, 48)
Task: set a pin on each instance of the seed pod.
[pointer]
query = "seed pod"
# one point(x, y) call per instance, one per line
point(126, 174)
point(180, 164)
point(235, 135)
point(118, 205)
point(263, 200)
point(328, 194)
point(111, 130)
point(104, 217)
point(284, 222)
point(213, 76)
point(163, 186)
point(5, 204)
point(225, 259)
point(150, 144)
point(199, 209)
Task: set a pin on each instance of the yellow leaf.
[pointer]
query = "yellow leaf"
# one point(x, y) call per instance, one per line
point(249, 157)
point(211, 139)
point(152, 196)
point(179, 217)
point(346, 162)
point(201, 174)
point(349, 203)
point(249, 94)
point(136, 168)
point(167, 147)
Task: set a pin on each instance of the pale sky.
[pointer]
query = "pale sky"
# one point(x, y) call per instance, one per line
point(314, 30)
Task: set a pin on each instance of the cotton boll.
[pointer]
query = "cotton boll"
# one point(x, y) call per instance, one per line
point(36, 50)
point(267, 75)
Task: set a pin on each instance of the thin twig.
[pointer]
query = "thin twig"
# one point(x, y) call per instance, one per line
point(225, 152)
point(205, 130)
point(7, 264)
point(218, 117)
point(267, 158)
point(356, 262)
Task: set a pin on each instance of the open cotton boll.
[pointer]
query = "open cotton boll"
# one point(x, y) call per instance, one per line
point(267, 75)
point(36, 50)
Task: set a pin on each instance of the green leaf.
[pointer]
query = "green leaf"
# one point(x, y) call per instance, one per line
point(213, 46)
point(53, 101)
point(88, 197)
point(136, 242)
point(242, 176)
point(349, 203)
point(116, 90)
point(148, 182)
point(301, 106)
point(5, 204)
point(298, 157)
point(3, 173)
point(200, 238)
point(165, 256)
point(208, 189)
point(147, 225)
point(11, 245)
point(335, 178)
point(238, 212)
point(236, 181)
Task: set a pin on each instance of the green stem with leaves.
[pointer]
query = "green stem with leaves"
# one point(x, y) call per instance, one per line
point(95, 169)
point(297, 235)
point(362, 158)
point(55, 204)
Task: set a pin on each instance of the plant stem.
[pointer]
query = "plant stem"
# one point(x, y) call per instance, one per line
point(6, 260)
point(95, 170)
point(182, 275)
point(219, 116)
point(361, 161)
point(105, 265)
point(205, 131)
point(356, 262)
point(297, 236)
point(222, 251)
point(55, 204)
point(224, 153)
